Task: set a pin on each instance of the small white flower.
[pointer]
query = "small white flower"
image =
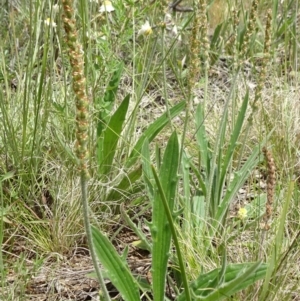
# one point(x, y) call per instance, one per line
point(175, 30)
point(106, 7)
point(95, 35)
point(251, 85)
point(91, 35)
point(48, 22)
point(175, 33)
point(55, 8)
point(145, 30)
point(182, 62)
point(168, 19)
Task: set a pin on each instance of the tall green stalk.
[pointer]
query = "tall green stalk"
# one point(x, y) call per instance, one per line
point(82, 124)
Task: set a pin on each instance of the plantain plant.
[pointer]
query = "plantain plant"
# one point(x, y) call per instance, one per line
point(111, 143)
point(217, 284)
point(163, 190)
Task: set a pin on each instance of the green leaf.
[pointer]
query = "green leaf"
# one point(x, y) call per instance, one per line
point(147, 172)
point(116, 269)
point(107, 146)
point(233, 140)
point(7, 176)
point(198, 209)
point(236, 278)
point(223, 166)
point(108, 99)
point(160, 230)
point(239, 179)
point(125, 187)
point(151, 132)
point(274, 259)
point(240, 280)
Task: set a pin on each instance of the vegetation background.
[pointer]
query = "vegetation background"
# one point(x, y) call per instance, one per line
point(227, 88)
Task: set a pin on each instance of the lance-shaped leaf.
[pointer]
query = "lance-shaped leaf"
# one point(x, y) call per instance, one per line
point(160, 228)
point(108, 143)
point(236, 277)
point(116, 267)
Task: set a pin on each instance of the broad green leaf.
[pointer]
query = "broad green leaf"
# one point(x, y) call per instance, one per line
point(107, 146)
point(242, 279)
point(116, 268)
point(198, 210)
point(151, 132)
point(236, 278)
point(170, 218)
point(160, 230)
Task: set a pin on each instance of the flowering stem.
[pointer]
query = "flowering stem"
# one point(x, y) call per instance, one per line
point(85, 209)
point(82, 123)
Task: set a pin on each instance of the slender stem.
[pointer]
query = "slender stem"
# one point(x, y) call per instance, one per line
point(85, 209)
